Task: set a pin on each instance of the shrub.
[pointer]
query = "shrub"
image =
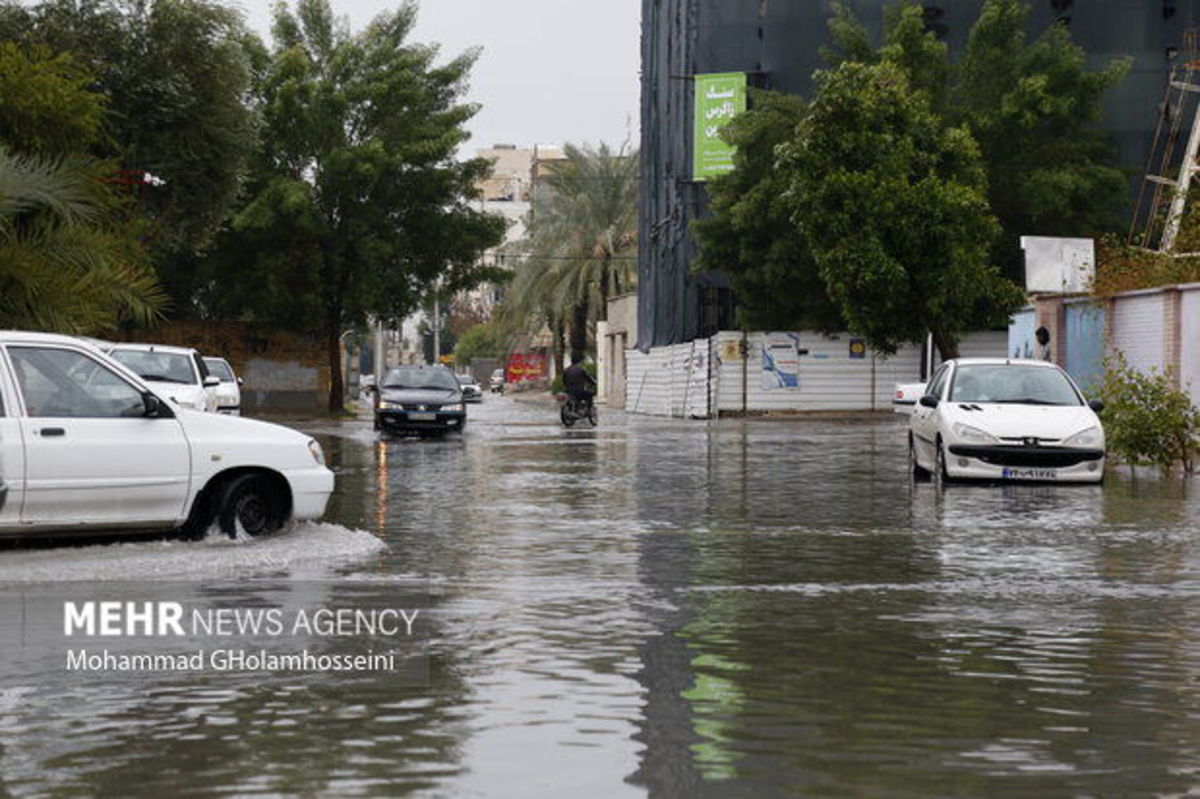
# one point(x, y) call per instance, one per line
point(1147, 422)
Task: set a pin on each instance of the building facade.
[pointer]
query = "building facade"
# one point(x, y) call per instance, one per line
point(777, 44)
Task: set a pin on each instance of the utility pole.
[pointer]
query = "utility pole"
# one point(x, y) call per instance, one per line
point(379, 364)
point(437, 328)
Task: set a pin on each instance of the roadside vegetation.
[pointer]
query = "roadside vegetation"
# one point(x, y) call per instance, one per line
point(893, 199)
point(158, 158)
point(1148, 422)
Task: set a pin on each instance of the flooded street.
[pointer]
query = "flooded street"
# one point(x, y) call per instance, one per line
point(668, 607)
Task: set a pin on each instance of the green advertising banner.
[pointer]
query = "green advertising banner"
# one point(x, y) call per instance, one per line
point(720, 96)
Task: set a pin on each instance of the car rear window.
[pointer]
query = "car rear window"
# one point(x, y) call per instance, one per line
point(169, 367)
point(220, 369)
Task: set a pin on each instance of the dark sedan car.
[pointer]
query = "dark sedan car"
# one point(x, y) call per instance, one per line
point(471, 390)
point(424, 400)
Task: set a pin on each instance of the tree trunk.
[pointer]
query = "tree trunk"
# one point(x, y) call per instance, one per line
point(579, 327)
point(556, 342)
point(947, 345)
point(602, 315)
point(337, 388)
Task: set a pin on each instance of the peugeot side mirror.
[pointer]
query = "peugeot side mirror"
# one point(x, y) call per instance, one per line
point(212, 381)
point(929, 401)
point(1096, 405)
point(152, 406)
point(241, 382)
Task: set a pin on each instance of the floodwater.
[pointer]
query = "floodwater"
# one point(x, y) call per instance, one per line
point(672, 608)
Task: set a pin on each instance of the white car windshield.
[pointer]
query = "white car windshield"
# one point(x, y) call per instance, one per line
point(1012, 383)
point(167, 367)
point(419, 377)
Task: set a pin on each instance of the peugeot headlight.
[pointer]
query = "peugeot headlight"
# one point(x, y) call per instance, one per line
point(1091, 437)
point(973, 435)
point(457, 406)
point(317, 453)
point(390, 406)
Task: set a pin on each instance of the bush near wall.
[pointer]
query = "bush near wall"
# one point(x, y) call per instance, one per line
point(1147, 422)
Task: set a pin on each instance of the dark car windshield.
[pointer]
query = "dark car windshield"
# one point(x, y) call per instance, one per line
point(466, 380)
point(420, 377)
point(1012, 383)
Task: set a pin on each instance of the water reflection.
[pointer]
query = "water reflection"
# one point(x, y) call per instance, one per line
point(689, 608)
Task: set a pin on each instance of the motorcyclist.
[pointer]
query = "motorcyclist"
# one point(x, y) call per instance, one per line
point(578, 382)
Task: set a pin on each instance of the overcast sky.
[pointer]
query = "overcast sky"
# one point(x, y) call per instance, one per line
point(552, 71)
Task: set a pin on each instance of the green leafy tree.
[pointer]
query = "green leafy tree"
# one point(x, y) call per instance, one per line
point(66, 264)
point(582, 239)
point(1033, 107)
point(47, 106)
point(359, 207)
point(177, 77)
point(893, 203)
point(70, 260)
point(750, 235)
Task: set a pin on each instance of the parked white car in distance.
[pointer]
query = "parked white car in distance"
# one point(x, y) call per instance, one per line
point(1005, 419)
point(87, 446)
point(229, 393)
point(175, 373)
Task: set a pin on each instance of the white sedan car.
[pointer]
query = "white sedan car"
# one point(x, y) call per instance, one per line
point(87, 446)
point(997, 419)
point(176, 373)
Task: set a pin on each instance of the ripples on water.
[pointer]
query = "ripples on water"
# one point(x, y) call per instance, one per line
point(684, 608)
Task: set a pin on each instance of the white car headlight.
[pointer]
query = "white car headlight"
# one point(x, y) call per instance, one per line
point(317, 453)
point(973, 435)
point(390, 406)
point(458, 406)
point(1091, 437)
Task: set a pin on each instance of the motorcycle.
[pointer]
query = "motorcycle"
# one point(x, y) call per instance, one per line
point(574, 410)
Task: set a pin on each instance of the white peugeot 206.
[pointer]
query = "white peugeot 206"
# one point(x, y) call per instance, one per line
point(997, 419)
point(87, 446)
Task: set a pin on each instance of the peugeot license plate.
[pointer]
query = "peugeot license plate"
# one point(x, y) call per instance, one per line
point(1029, 474)
point(422, 417)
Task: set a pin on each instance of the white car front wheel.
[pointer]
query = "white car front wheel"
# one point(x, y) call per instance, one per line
point(940, 473)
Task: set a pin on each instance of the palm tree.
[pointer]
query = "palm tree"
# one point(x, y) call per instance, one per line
point(65, 264)
point(582, 239)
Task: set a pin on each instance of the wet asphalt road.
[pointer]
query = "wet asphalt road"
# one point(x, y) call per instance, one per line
point(671, 607)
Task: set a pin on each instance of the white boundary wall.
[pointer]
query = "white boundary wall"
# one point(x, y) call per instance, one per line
point(1189, 340)
point(699, 378)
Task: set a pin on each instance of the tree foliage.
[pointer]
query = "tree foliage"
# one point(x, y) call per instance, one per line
point(176, 74)
point(70, 260)
point(66, 264)
point(1013, 150)
point(892, 201)
point(358, 207)
point(750, 234)
point(1033, 107)
point(46, 102)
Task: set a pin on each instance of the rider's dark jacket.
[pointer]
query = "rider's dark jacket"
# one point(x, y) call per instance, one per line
point(577, 381)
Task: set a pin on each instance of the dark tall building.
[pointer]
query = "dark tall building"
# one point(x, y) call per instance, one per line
point(777, 43)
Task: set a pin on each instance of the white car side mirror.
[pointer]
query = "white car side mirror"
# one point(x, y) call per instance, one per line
point(212, 381)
